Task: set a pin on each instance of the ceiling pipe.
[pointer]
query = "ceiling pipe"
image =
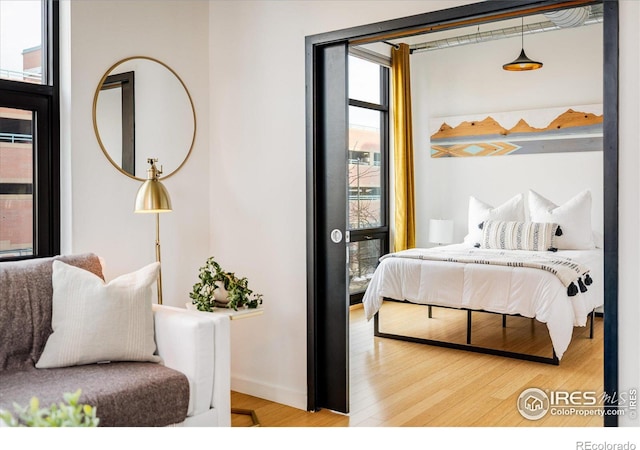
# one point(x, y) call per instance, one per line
point(596, 16)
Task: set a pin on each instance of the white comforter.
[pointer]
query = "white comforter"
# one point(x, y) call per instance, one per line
point(510, 290)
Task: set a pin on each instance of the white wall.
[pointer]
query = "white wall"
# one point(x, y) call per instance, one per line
point(469, 80)
point(97, 200)
point(258, 174)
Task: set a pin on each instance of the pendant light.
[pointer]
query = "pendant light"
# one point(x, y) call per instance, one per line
point(522, 62)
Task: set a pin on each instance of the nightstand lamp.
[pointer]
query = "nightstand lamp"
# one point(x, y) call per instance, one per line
point(441, 231)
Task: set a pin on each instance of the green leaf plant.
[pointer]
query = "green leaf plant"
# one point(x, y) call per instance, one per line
point(69, 413)
point(212, 277)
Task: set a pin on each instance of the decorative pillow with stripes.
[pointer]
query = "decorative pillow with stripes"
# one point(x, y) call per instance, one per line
point(533, 236)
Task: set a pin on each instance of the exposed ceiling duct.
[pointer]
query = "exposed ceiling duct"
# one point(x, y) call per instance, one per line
point(557, 20)
point(566, 18)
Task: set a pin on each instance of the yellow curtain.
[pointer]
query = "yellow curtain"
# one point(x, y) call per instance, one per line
point(405, 227)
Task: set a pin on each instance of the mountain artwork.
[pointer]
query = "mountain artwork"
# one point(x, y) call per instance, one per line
point(552, 130)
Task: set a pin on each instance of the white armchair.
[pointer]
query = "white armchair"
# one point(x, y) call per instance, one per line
point(198, 345)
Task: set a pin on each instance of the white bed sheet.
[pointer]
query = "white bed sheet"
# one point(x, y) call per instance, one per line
point(529, 292)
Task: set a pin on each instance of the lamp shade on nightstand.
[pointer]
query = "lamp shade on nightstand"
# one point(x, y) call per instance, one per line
point(441, 231)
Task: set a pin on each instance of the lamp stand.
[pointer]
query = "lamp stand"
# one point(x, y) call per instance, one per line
point(158, 258)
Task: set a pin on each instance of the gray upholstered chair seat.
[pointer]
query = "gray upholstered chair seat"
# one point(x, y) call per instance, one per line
point(136, 394)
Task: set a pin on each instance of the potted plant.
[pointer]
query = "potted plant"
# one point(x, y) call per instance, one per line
point(219, 288)
point(64, 414)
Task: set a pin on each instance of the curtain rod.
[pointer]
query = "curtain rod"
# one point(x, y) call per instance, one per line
point(396, 46)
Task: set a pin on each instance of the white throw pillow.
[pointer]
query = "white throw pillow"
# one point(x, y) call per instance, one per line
point(574, 218)
point(510, 211)
point(94, 321)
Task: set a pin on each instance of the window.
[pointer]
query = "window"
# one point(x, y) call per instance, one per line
point(29, 130)
point(21, 31)
point(368, 156)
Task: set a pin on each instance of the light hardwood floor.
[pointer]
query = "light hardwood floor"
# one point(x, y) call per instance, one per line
point(401, 384)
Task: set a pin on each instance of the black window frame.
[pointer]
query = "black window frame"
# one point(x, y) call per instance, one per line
point(381, 232)
point(44, 101)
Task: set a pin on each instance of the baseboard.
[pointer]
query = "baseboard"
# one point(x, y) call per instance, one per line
point(278, 394)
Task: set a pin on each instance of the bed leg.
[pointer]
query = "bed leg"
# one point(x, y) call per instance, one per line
point(430, 312)
point(468, 326)
point(504, 321)
point(593, 315)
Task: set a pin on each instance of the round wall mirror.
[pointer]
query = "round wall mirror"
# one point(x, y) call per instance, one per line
point(142, 109)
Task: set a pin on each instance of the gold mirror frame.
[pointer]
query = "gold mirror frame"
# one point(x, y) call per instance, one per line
point(95, 122)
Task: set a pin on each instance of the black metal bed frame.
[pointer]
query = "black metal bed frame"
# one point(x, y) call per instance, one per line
point(469, 346)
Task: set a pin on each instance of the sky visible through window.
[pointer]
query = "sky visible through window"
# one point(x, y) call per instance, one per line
point(364, 84)
point(20, 29)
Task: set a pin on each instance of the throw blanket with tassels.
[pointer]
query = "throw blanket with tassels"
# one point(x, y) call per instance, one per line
point(573, 275)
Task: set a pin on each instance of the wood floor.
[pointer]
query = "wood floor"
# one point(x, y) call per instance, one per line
point(401, 384)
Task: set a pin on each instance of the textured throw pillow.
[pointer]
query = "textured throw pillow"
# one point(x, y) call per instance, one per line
point(94, 321)
point(511, 210)
point(534, 236)
point(574, 217)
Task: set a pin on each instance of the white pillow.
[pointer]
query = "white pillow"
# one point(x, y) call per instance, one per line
point(574, 218)
point(510, 211)
point(94, 321)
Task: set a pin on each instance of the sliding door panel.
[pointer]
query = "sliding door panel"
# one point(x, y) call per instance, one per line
point(331, 319)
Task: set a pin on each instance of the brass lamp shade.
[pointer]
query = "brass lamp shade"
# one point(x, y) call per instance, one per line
point(152, 197)
point(522, 63)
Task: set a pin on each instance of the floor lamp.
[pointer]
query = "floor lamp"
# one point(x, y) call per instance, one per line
point(152, 197)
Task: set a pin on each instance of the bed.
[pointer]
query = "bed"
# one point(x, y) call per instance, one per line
point(530, 292)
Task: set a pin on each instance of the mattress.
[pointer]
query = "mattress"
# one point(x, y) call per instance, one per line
point(529, 292)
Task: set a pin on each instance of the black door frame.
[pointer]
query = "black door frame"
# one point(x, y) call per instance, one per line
point(317, 299)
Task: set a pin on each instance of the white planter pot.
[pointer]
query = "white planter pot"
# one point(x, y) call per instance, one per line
point(220, 293)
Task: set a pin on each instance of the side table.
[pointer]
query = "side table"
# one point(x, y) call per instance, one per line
point(237, 315)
